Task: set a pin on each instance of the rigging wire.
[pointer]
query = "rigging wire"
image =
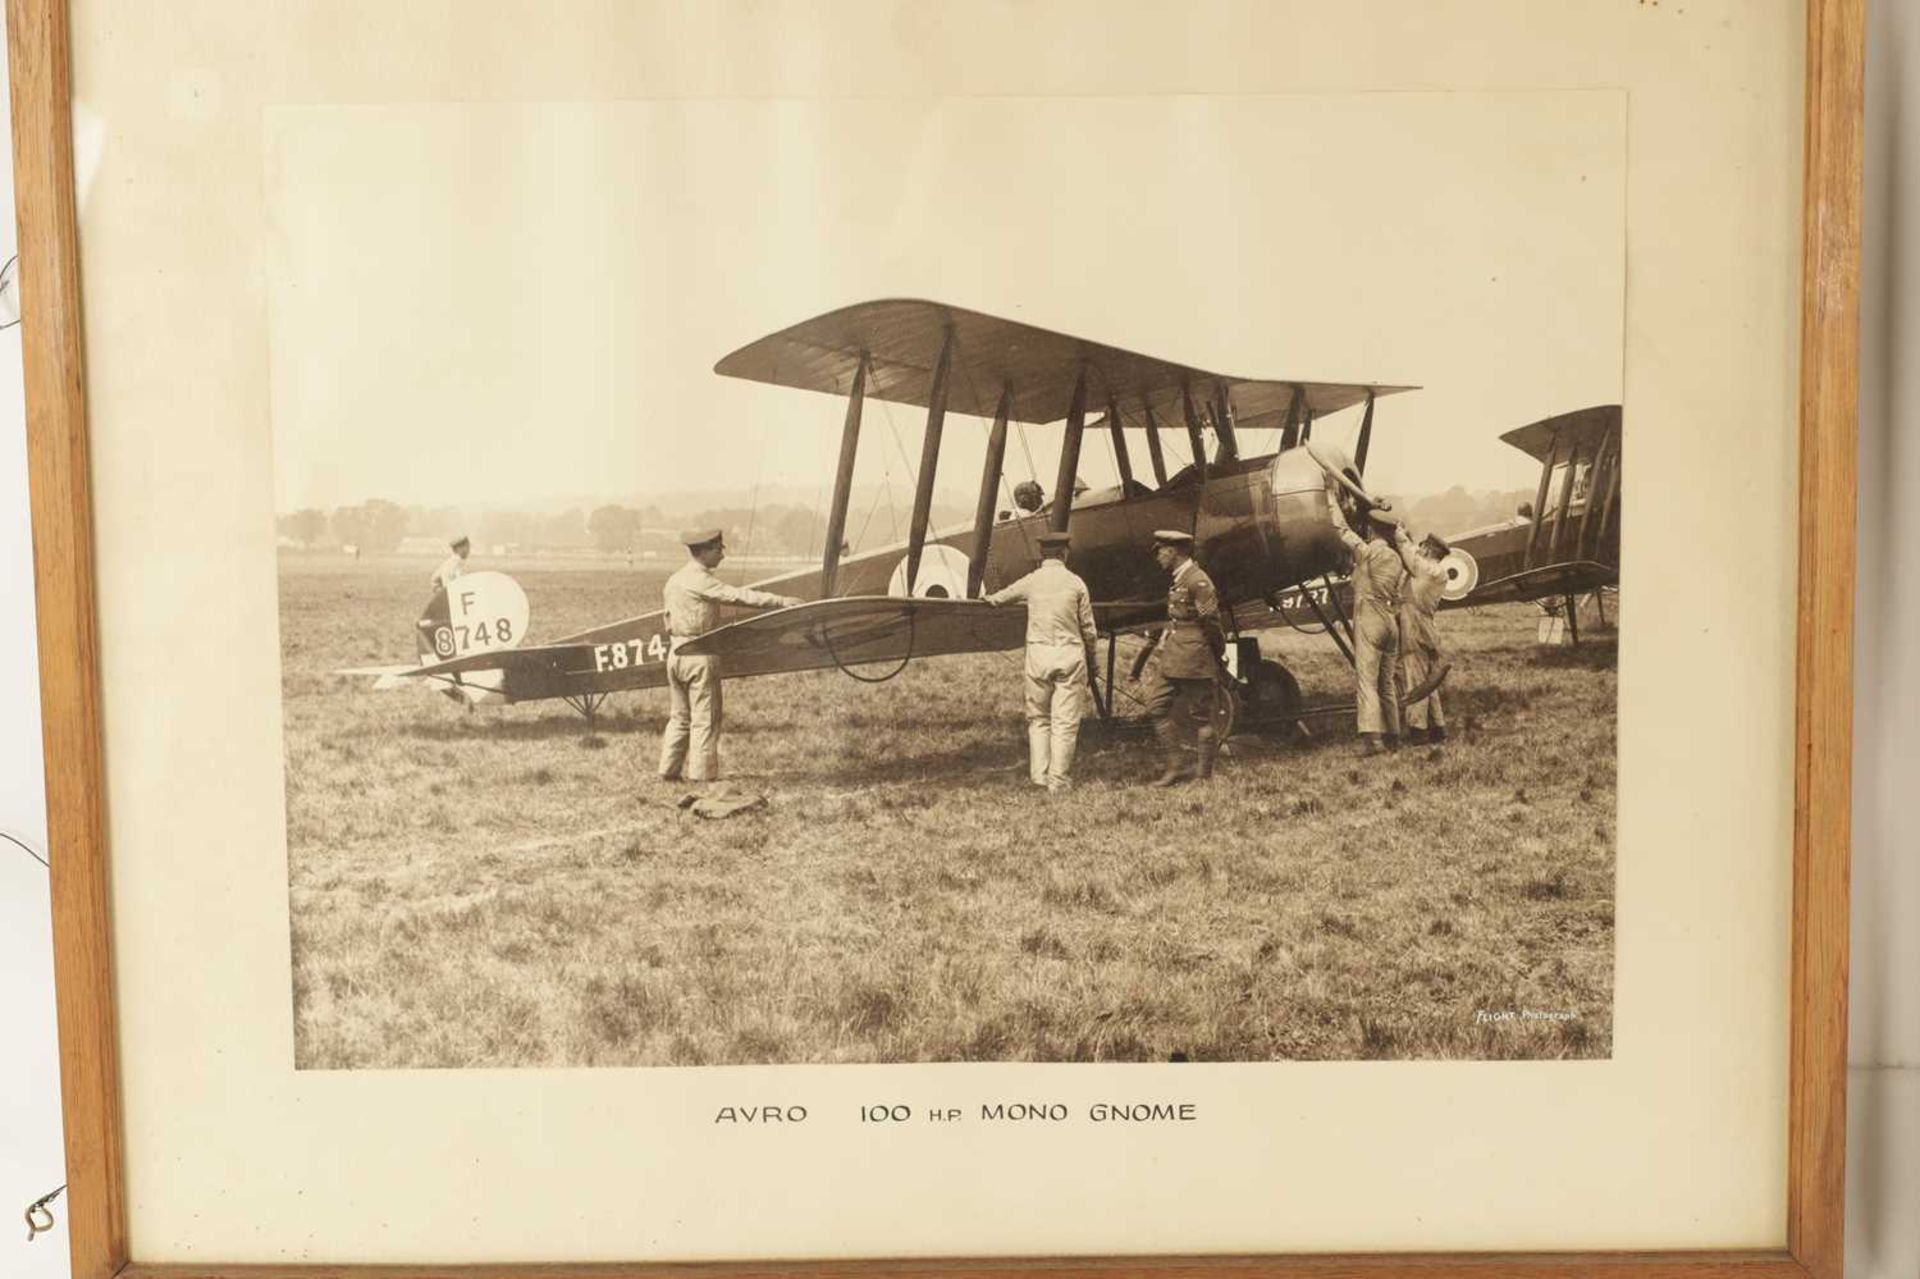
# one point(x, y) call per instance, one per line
point(817, 525)
point(860, 538)
point(893, 433)
point(826, 638)
point(1006, 489)
point(759, 472)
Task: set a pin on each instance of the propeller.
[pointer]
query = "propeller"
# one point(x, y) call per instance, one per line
point(1335, 463)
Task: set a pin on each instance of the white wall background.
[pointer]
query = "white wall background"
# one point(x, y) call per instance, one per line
point(30, 1156)
point(1883, 1151)
point(1883, 1240)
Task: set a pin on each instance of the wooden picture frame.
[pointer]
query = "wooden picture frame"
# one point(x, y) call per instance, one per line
point(63, 540)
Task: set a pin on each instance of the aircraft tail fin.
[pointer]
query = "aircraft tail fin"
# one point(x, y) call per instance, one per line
point(479, 613)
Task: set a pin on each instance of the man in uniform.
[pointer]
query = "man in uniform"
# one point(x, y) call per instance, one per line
point(1186, 661)
point(1419, 638)
point(454, 565)
point(439, 608)
point(1376, 624)
point(693, 599)
point(1060, 652)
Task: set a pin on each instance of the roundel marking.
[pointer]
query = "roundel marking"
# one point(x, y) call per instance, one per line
point(1463, 574)
point(943, 574)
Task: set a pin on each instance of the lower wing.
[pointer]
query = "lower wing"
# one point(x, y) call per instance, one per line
point(1568, 577)
point(859, 630)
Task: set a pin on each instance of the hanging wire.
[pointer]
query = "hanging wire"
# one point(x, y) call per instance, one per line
point(24, 847)
point(39, 1215)
point(10, 292)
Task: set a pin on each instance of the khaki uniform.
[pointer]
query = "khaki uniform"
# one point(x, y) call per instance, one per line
point(1420, 639)
point(1376, 631)
point(439, 608)
point(1060, 639)
point(691, 740)
point(449, 570)
point(1187, 661)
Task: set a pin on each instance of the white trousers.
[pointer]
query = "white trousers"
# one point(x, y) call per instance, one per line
point(1056, 699)
point(690, 745)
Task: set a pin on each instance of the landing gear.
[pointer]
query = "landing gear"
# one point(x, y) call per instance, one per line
point(1272, 695)
point(1264, 693)
point(1226, 706)
point(588, 704)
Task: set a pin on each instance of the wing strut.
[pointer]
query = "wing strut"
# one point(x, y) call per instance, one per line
point(1290, 433)
point(1223, 425)
point(929, 461)
point(1561, 511)
point(1194, 438)
point(1540, 499)
point(989, 484)
point(1598, 476)
point(1069, 456)
point(1153, 447)
point(1613, 491)
point(843, 480)
point(1366, 438)
point(1120, 458)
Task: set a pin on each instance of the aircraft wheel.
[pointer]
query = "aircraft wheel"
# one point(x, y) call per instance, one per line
point(1226, 707)
point(1272, 695)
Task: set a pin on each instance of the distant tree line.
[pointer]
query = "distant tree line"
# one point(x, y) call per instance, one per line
point(379, 525)
point(771, 530)
point(774, 529)
point(1459, 511)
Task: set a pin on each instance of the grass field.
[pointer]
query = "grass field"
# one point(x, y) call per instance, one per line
point(503, 888)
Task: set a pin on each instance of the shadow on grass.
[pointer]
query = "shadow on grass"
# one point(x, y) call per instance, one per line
point(467, 728)
point(459, 727)
point(1594, 653)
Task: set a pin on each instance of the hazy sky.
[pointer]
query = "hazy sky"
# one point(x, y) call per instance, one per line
point(476, 304)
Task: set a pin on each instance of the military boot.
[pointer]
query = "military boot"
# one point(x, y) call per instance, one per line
point(1177, 770)
point(1208, 747)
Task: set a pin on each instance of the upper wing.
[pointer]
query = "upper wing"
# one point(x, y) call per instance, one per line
point(902, 337)
point(860, 629)
point(1583, 427)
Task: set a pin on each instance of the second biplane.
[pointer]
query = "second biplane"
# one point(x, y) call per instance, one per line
point(1260, 523)
point(1562, 545)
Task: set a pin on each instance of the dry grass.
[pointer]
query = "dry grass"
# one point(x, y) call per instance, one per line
point(505, 889)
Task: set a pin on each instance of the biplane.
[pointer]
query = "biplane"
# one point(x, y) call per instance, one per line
point(1562, 545)
point(1260, 523)
point(1567, 542)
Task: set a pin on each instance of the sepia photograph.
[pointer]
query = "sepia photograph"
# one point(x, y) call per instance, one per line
point(972, 579)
